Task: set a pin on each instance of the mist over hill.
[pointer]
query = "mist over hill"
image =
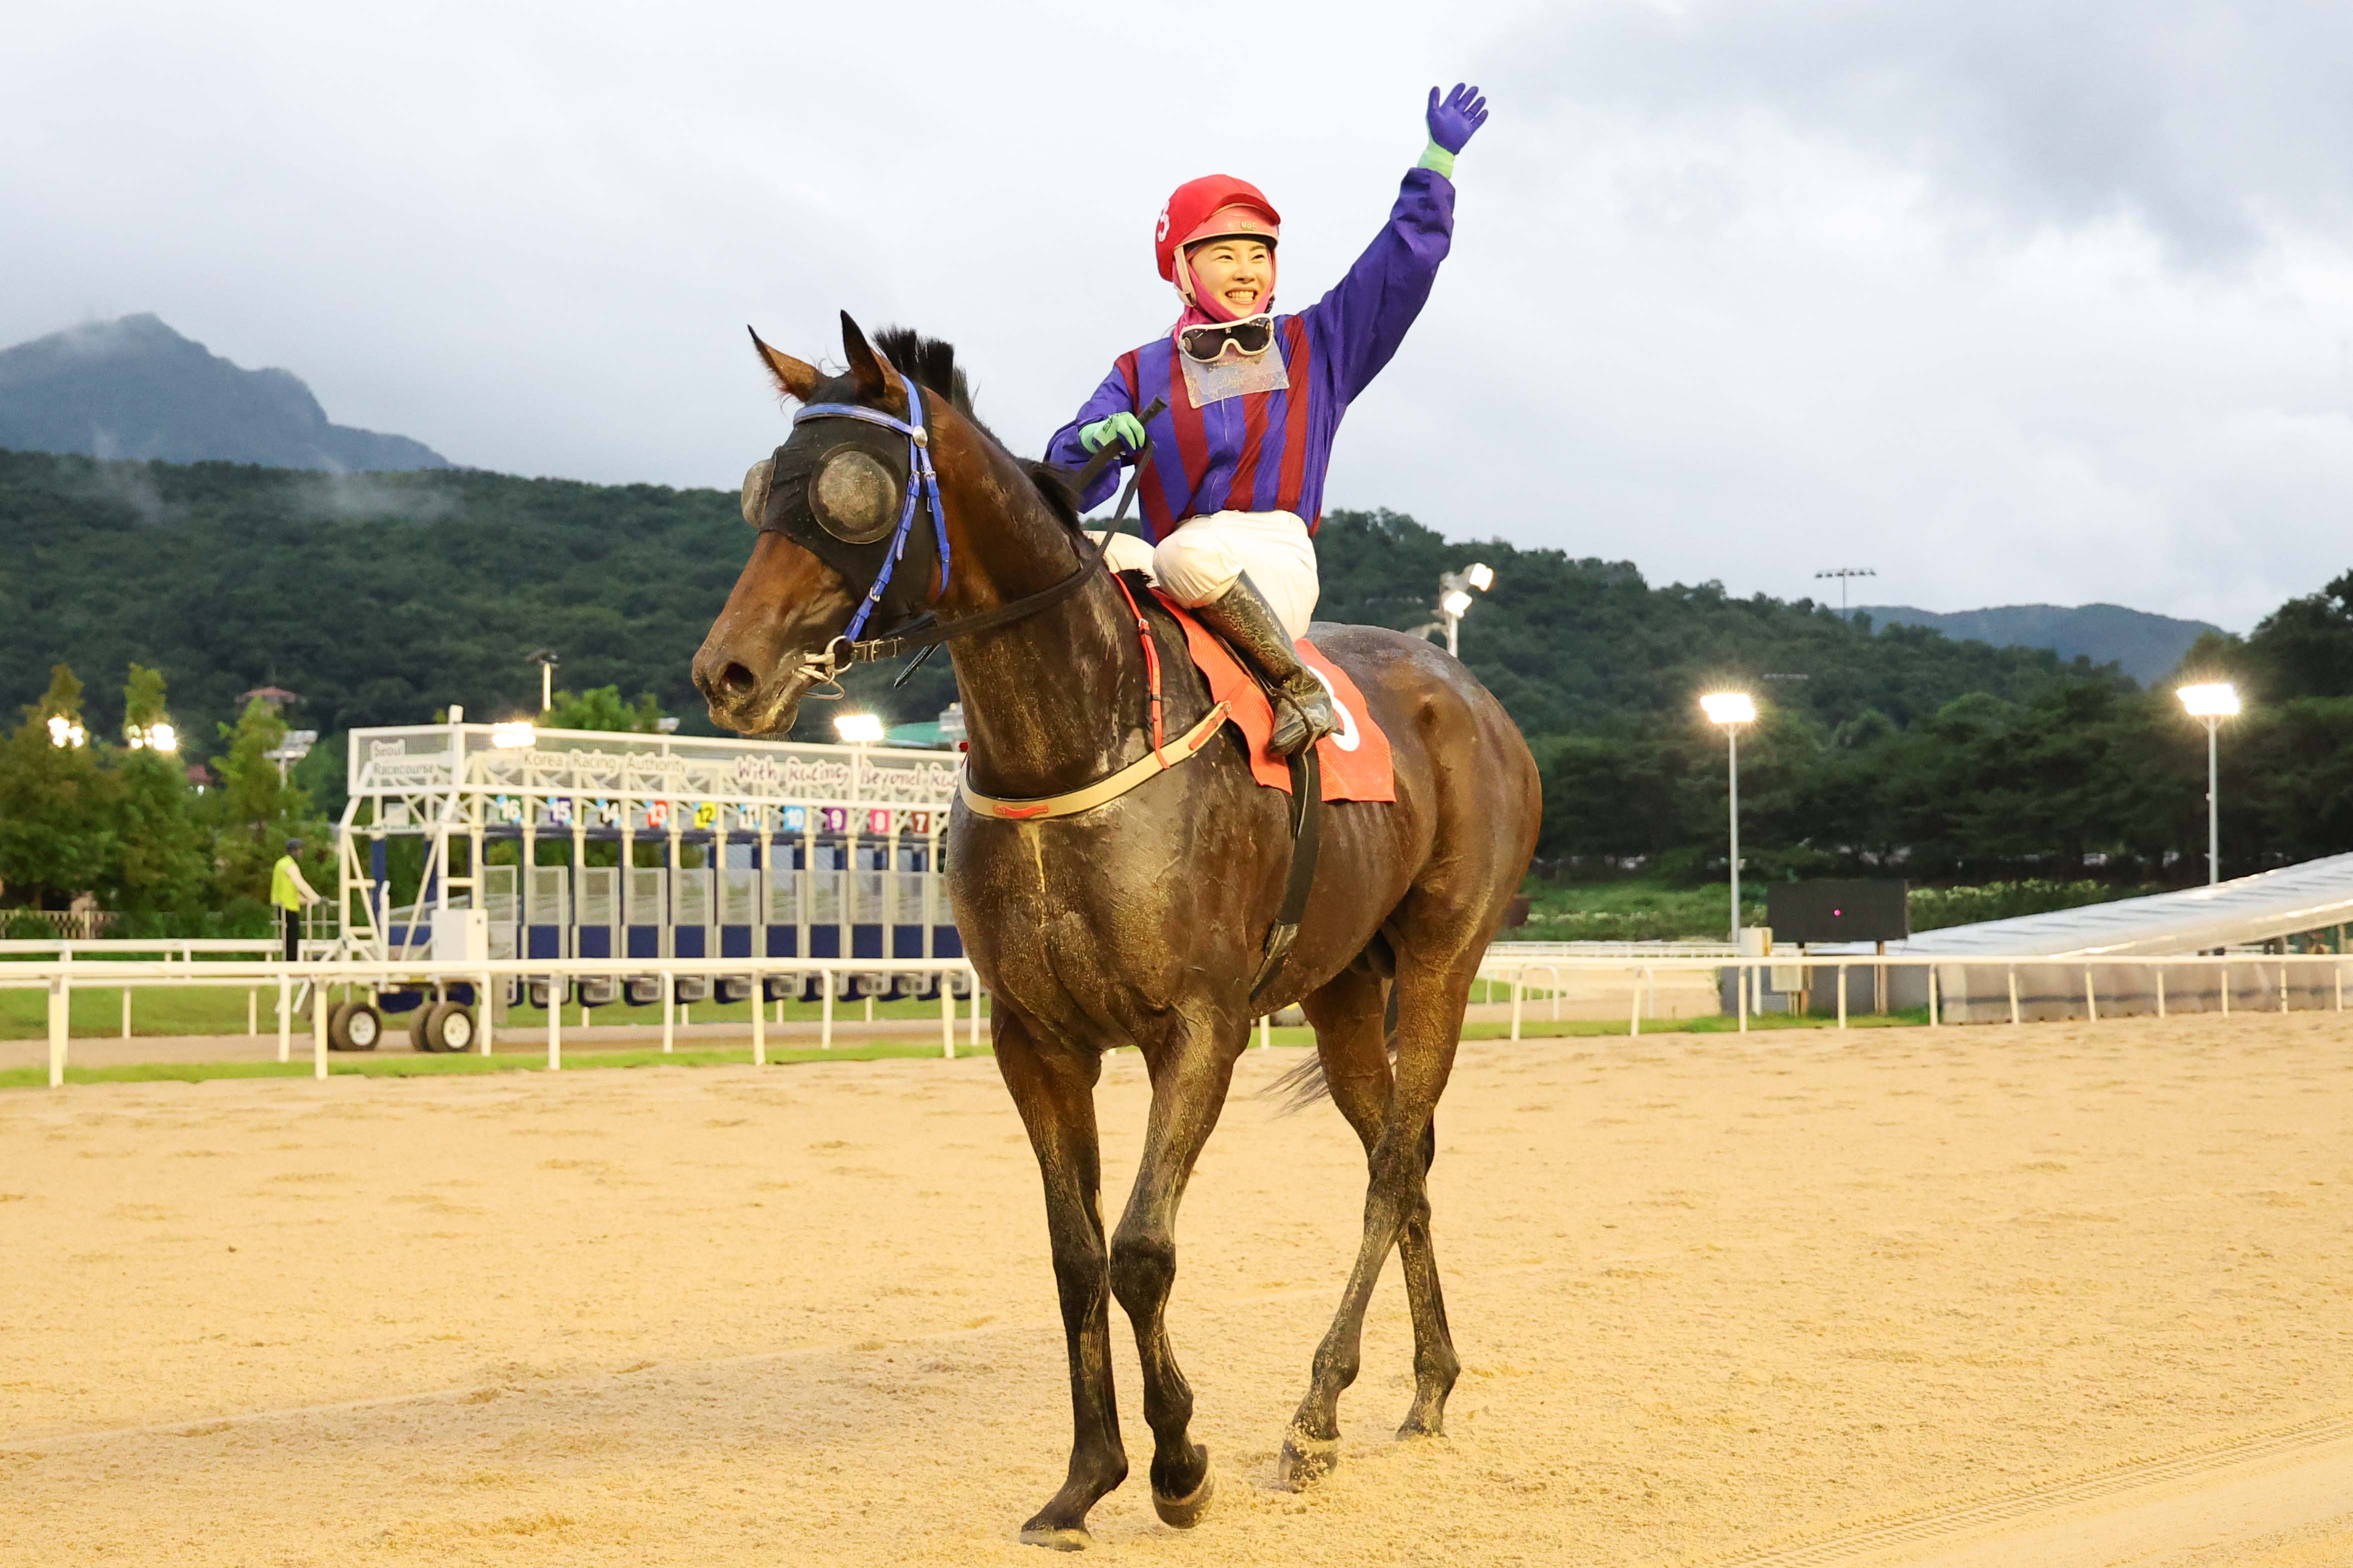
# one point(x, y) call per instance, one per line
point(135, 388)
point(2145, 645)
point(381, 598)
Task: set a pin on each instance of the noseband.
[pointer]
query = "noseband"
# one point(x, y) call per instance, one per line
point(927, 632)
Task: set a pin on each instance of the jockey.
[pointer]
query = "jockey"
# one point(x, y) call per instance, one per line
point(1234, 487)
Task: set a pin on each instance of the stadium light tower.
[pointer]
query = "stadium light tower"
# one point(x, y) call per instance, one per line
point(1732, 709)
point(2212, 702)
point(546, 660)
point(1844, 574)
point(1454, 598)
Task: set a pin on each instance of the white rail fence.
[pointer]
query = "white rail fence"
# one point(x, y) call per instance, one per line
point(1956, 990)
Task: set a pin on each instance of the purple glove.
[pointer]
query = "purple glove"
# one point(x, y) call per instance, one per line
point(1452, 122)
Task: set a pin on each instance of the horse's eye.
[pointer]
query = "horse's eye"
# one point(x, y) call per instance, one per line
point(756, 490)
point(852, 495)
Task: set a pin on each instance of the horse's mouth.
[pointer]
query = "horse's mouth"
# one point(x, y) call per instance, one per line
point(739, 704)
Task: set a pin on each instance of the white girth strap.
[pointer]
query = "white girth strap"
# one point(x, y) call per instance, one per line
point(1150, 765)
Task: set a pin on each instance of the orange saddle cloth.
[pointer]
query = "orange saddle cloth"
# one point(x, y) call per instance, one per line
point(1355, 758)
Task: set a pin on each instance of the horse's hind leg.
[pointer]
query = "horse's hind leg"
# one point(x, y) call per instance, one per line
point(1351, 1037)
point(1189, 1079)
point(1400, 1142)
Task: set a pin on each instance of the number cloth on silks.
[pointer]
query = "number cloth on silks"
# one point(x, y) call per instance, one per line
point(1355, 757)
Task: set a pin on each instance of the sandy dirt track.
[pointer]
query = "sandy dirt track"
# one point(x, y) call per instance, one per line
point(1719, 1300)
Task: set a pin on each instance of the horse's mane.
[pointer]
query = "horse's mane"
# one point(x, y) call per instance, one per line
point(932, 361)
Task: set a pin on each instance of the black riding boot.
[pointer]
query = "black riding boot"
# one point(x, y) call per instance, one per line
point(1303, 708)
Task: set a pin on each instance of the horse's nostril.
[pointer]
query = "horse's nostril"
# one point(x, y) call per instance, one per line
point(736, 680)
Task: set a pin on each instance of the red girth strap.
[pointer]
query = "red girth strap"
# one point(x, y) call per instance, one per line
point(1150, 662)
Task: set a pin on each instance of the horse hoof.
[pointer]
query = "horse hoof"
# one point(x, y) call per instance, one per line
point(1185, 1512)
point(1056, 1538)
point(1415, 1426)
point(1306, 1460)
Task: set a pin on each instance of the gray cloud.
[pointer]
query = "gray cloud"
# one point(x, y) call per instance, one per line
point(2214, 124)
point(2013, 303)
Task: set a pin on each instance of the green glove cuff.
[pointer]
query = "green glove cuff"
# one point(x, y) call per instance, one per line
point(1437, 158)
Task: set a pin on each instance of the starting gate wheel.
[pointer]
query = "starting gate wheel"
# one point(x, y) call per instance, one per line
point(354, 1027)
point(447, 1027)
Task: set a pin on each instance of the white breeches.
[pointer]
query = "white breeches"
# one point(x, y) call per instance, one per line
point(1200, 558)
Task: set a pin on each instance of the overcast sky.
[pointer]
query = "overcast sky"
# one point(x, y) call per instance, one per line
point(2012, 302)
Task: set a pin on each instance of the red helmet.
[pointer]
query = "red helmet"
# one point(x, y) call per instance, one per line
point(1205, 208)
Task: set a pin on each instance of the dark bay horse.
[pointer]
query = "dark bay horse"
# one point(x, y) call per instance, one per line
point(1139, 922)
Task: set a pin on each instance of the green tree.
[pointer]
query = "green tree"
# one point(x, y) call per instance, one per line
point(603, 708)
point(56, 815)
point(255, 811)
point(162, 853)
point(2305, 648)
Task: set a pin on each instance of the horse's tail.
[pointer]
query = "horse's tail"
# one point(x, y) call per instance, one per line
point(1304, 1085)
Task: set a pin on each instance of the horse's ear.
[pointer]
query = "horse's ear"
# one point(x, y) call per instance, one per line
point(794, 378)
point(868, 363)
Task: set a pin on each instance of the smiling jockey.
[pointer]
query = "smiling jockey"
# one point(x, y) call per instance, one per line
point(1234, 487)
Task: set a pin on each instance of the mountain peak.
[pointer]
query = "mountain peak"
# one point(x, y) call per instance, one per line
point(135, 388)
point(2145, 645)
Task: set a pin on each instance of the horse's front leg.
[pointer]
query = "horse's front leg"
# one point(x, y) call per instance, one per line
point(1188, 1089)
point(1054, 1091)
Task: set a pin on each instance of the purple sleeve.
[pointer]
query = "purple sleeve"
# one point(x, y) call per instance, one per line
point(1066, 450)
point(1360, 323)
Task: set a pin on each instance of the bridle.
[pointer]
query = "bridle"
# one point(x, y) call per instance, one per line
point(926, 632)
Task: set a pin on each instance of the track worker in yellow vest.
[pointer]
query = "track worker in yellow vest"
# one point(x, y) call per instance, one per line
point(292, 894)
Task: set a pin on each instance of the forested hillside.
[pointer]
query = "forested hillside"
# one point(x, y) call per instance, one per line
point(381, 598)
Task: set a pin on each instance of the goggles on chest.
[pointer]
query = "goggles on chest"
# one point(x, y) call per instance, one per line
point(1211, 341)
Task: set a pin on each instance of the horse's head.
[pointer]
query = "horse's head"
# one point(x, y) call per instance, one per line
point(827, 504)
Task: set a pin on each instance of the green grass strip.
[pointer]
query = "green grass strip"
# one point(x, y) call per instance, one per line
point(407, 1066)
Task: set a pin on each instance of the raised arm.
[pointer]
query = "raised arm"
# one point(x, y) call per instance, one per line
point(1360, 324)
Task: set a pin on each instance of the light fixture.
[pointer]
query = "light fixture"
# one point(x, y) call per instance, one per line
point(2212, 702)
point(1455, 602)
point(67, 733)
point(162, 737)
point(2214, 699)
point(1481, 577)
point(859, 729)
point(1732, 709)
point(1729, 708)
point(512, 734)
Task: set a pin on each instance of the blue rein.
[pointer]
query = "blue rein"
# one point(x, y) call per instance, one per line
point(922, 482)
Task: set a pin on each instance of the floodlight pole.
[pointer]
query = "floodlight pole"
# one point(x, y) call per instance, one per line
point(1732, 759)
point(1452, 622)
point(2214, 806)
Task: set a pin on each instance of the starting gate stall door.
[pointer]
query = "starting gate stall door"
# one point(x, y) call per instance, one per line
point(911, 880)
point(647, 915)
point(739, 911)
point(546, 910)
point(946, 942)
point(502, 906)
point(690, 914)
point(784, 910)
point(825, 903)
point(600, 912)
point(866, 911)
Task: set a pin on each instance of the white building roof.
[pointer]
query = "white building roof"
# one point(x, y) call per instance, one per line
point(2243, 910)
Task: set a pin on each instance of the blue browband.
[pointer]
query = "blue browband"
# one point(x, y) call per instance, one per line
point(920, 481)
